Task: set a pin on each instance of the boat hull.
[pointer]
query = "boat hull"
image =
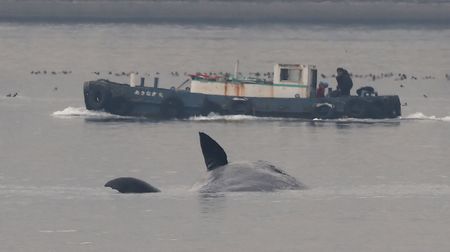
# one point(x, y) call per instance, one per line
point(122, 99)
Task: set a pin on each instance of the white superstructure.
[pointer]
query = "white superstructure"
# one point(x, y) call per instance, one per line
point(289, 81)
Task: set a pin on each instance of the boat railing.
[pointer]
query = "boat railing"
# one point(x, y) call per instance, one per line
point(229, 79)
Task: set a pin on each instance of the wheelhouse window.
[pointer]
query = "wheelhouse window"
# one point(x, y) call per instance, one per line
point(284, 74)
point(293, 75)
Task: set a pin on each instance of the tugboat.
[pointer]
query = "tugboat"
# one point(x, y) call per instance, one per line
point(291, 92)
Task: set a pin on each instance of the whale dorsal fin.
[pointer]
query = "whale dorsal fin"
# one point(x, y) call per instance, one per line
point(213, 153)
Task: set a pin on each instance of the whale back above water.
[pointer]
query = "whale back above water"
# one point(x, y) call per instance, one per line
point(131, 185)
point(240, 177)
point(222, 176)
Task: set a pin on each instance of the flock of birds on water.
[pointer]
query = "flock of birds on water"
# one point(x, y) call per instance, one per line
point(65, 72)
point(256, 75)
point(269, 75)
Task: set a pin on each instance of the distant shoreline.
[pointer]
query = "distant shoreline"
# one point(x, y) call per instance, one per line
point(216, 12)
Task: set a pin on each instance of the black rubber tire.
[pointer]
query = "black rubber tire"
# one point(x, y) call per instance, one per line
point(172, 107)
point(324, 112)
point(357, 109)
point(97, 98)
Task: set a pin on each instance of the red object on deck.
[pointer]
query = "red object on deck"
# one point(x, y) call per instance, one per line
point(320, 91)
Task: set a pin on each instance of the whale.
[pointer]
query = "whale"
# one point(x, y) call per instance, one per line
point(222, 176)
point(256, 176)
point(131, 185)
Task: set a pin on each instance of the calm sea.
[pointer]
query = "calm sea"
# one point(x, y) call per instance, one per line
point(374, 185)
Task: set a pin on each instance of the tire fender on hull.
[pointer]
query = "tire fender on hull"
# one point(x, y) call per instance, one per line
point(324, 111)
point(97, 97)
point(241, 106)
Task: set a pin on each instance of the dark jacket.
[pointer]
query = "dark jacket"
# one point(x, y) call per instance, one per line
point(345, 83)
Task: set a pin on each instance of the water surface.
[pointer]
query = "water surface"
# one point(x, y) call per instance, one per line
point(374, 185)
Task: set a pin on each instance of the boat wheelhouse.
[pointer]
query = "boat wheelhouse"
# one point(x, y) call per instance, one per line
point(288, 81)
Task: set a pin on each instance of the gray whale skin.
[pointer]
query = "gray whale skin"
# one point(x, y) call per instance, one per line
point(131, 185)
point(222, 176)
point(240, 177)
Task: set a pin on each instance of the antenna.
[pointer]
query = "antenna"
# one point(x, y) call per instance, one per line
point(236, 69)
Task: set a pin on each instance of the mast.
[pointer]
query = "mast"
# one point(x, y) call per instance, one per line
point(236, 69)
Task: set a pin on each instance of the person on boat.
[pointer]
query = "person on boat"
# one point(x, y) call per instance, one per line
point(321, 89)
point(344, 82)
